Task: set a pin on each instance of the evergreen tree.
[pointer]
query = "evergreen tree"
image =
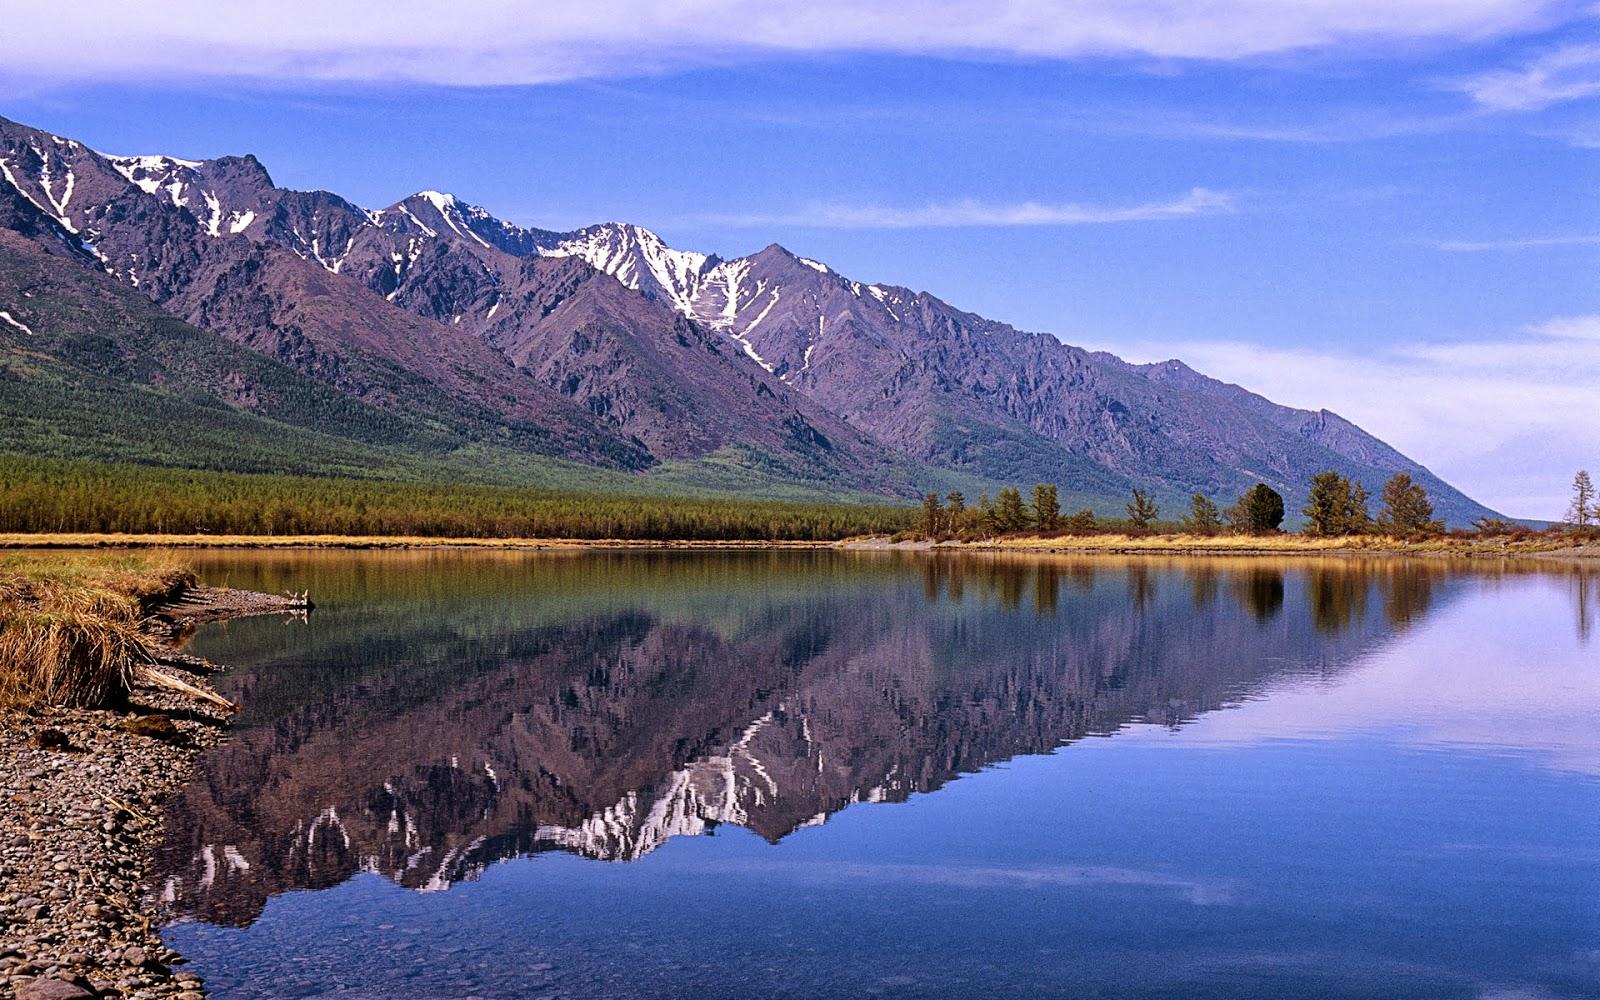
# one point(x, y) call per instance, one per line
point(1336, 506)
point(932, 515)
point(1258, 511)
point(1325, 503)
point(1358, 515)
point(1204, 516)
point(987, 519)
point(1082, 522)
point(1142, 510)
point(51, 495)
point(1010, 514)
point(1046, 508)
point(956, 511)
point(1406, 508)
point(1582, 513)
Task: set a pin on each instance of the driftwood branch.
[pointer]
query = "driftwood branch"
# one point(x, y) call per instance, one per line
point(153, 676)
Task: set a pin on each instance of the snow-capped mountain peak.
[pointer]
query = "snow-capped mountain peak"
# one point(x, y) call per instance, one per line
point(152, 173)
point(641, 260)
point(443, 201)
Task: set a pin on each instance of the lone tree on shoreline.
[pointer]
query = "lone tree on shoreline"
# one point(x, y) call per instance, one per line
point(932, 515)
point(1046, 508)
point(1406, 508)
point(1582, 513)
point(1258, 511)
point(1205, 518)
point(1142, 510)
point(1336, 506)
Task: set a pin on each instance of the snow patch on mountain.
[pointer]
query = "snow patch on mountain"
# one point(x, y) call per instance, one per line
point(45, 184)
point(15, 322)
point(640, 260)
point(440, 200)
point(416, 221)
point(453, 212)
point(763, 314)
point(11, 178)
point(213, 222)
point(175, 176)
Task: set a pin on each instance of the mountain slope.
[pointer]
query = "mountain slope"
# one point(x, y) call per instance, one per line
point(641, 368)
point(90, 369)
point(594, 375)
point(959, 391)
point(273, 301)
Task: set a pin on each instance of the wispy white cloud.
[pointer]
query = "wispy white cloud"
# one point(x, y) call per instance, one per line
point(1568, 73)
point(1505, 419)
point(1584, 328)
point(1520, 243)
point(969, 213)
point(505, 42)
point(1313, 127)
point(1581, 136)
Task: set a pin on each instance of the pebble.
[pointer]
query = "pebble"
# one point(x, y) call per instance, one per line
point(52, 989)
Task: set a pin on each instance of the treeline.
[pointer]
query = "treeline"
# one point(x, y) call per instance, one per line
point(1258, 510)
point(45, 495)
point(1336, 506)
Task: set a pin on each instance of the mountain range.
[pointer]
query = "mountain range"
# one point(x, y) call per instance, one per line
point(192, 312)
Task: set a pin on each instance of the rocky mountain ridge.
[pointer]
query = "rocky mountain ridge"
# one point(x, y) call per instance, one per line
point(608, 346)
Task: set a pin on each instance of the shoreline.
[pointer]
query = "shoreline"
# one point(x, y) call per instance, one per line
point(1075, 545)
point(82, 793)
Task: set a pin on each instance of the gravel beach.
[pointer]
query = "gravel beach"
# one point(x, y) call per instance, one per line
point(81, 793)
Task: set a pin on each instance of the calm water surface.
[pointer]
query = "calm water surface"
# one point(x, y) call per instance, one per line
point(832, 774)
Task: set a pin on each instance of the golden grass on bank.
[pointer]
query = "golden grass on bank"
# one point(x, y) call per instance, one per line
point(54, 545)
point(72, 658)
point(72, 626)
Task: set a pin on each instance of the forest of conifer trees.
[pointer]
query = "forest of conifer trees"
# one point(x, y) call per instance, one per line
point(40, 495)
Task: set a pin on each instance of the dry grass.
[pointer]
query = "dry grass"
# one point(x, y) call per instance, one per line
point(131, 546)
point(72, 628)
point(72, 658)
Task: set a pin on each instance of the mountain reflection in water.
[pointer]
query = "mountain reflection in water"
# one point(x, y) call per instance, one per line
point(444, 711)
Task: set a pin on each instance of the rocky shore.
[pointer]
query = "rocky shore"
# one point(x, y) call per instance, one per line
point(80, 813)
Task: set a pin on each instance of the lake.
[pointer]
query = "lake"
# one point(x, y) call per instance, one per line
point(801, 774)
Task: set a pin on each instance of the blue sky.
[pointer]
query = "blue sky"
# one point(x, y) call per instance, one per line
point(1389, 209)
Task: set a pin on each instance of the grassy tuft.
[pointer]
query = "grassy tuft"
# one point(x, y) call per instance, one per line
point(72, 628)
